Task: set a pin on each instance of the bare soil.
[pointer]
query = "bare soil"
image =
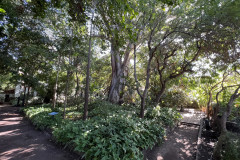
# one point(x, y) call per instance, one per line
point(208, 140)
point(180, 144)
point(20, 141)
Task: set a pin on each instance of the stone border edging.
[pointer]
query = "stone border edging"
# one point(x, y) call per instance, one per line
point(199, 138)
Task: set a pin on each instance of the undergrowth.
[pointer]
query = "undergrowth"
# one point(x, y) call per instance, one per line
point(111, 132)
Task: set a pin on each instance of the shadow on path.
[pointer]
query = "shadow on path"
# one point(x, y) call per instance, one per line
point(20, 141)
point(181, 144)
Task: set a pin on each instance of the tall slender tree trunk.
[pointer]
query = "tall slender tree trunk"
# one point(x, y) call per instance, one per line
point(123, 83)
point(144, 96)
point(66, 95)
point(68, 75)
point(209, 104)
point(86, 98)
point(216, 110)
point(56, 85)
point(28, 91)
point(77, 87)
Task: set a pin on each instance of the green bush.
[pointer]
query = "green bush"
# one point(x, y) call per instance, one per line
point(165, 116)
point(111, 132)
point(103, 109)
point(115, 137)
point(175, 97)
point(231, 147)
point(13, 101)
point(40, 118)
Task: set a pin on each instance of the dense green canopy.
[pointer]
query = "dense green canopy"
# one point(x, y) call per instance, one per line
point(147, 53)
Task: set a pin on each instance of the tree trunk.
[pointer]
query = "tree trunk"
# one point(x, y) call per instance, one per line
point(223, 122)
point(143, 99)
point(66, 95)
point(208, 104)
point(123, 82)
point(24, 95)
point(28, 89)
point(218, 148)
point(118, 67)
point(117, 75)
point(56, 85)
point(77, 87)
point(227, 113)
point(86, 98)
point(216, 110)
point(215, 113)
point(143, 103)
point(160, 93)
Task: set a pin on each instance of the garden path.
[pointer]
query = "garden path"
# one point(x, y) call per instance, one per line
point(181, 143)
point(20, 141)
point(192, 116)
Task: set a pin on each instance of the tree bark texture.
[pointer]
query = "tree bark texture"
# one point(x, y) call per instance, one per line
point(144, 96)
point(66, 95)
point(118, 67)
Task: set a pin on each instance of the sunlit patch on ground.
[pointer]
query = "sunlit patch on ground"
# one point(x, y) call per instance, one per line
point(16, 151)
point(10, 121)
point(10, 133)
point(181, 144)
point(19, 140)
point(192, 116)
point(159, 158)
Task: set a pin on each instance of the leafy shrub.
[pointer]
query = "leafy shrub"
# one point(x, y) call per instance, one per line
point(13, 101)
point(232, 147)
point(112, 132)
point(235, 114)
point(175, 97)
point(74, 115)
point(75, 101)
point(115, 137)
point(165, 116)
point(102, 108)
point(40, 118)
point(36, 100)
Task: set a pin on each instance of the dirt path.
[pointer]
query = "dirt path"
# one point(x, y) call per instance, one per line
point(20, 141)
point(181, 144)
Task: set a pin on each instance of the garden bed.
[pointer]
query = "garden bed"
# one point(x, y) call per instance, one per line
point(112, 132)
